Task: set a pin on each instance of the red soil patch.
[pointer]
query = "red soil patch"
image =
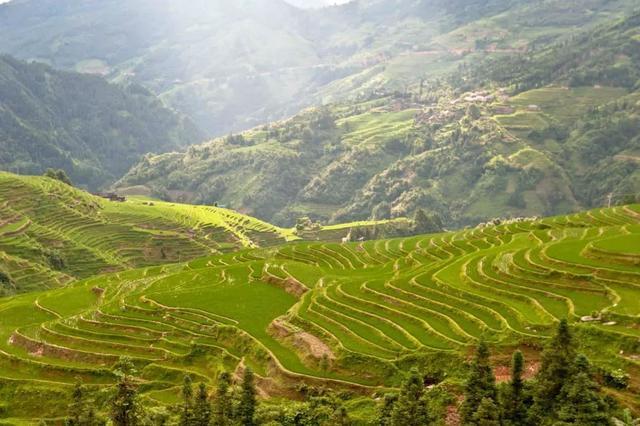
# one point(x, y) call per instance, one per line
point(289, 284)
point(304, 341)
point(503, 372)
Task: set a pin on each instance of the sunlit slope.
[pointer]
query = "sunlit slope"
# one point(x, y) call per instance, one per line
point(51, 233)
point(346, 315)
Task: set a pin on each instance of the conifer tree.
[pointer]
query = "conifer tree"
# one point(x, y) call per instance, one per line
point(247, 405)
point(186, 411)
point(487, 413)
point(77, 408)
point(125, 410)
point(513, 402)
point(222, 412)
point(411, 409)
point(386, 409)
point(202, 407)
point(555, 369)
point(580, 401)
point(481, 384)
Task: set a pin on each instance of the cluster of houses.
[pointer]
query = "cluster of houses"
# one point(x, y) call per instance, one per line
point(433, 116)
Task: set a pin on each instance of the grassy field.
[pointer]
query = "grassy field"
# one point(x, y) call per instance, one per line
point(348, 316)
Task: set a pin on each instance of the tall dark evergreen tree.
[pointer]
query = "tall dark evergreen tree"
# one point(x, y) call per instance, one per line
point(487, 413)
point(514, 408)
point(248, 402)
point(426, 224)
point(222, 411)
point(186, 410)
point(202, 407)
point(481, 384)
point(386, 409)
point(77, 408)
point(58, 174)
point(580, 401)
point(125, 410)
point(556, 367)
point(411, 408)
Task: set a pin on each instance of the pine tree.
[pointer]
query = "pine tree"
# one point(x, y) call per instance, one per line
point(247, 406)
point(222, 409)
point(58, 174)
point(555, 369)
point(77, 408)
point(386, 409)
point(426, 224)
point(481, 384)
point(202, 407)
point(514, 407)
point(411, 409)
point(580, 401)
point(487, 413)
point(125, 410)
point(186, 411)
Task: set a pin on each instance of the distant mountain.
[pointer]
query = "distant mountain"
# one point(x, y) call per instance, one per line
point(231, 65)
point(93, 129)
point(540, 132)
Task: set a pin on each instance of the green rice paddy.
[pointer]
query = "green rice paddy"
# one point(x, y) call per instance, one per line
point(340, 315)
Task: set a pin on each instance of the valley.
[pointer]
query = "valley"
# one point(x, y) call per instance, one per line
point(319, 213)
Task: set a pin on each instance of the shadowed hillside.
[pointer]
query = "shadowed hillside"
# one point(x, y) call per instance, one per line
point(92, 129)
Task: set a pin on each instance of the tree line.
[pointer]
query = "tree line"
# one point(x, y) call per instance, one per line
point(563, 392)
point(227, 407)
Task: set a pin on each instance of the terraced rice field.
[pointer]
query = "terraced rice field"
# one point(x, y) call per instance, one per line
point(342, 315)
point(42, 219)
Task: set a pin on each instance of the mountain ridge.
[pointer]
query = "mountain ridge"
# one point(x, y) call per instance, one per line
point(448, 149)
point(211, 62)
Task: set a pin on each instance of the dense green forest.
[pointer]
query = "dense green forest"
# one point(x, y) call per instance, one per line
point(92, 129)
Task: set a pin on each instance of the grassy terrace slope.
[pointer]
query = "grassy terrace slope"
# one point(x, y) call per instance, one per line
point(352, 315)
point(51, 233)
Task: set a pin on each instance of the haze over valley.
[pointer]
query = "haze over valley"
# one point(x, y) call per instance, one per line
point(320, 212)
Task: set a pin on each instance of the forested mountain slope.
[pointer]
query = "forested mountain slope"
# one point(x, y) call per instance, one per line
point(232, 65)
point(479, 148)
point(92, 129)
